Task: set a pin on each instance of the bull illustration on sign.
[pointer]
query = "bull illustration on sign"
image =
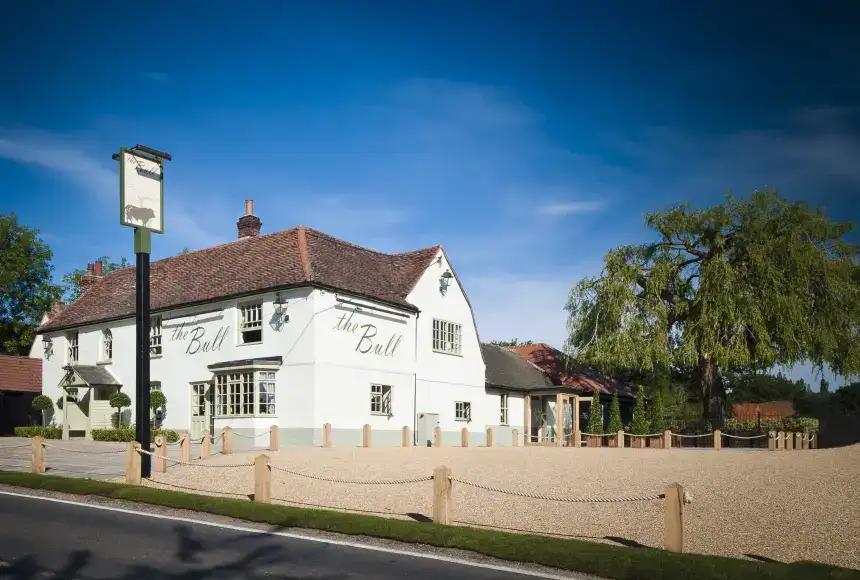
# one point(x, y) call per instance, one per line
point(137, 213)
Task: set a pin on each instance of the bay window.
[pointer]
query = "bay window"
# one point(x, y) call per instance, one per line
point(245, 393)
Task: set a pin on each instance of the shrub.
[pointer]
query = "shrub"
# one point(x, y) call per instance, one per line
point(118, 401)
point(615, 424)
point(657, 414)
point(157, 400)
point(796, 424)
point(640, 424)
point(43, 404)
point(595, 415)
point(60, 403)
point(33, 430)
point(126, 434)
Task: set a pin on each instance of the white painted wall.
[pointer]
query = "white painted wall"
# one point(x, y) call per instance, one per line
point(332, 353)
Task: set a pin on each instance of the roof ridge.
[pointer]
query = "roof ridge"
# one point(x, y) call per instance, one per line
point(303, 254)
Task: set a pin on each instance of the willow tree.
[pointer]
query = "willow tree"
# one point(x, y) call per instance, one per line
point(759, 281)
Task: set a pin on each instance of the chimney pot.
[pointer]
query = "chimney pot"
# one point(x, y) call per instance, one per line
point(249, 207)
point(99, 269)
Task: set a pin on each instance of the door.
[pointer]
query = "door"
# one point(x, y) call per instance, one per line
point(427, 423)
point(567, 419)
point(201, 409)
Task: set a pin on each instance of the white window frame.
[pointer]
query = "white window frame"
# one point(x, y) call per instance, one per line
point(447, 337)
point(48, 345)
point(155, 346)
point(250, 320)
point(503, 408)
point(107, 345)
point(380, 400)
point(73, 350)
point(245, 392)
point(463, 411)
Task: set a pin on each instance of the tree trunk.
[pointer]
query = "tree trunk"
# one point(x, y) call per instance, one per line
point(713, 392)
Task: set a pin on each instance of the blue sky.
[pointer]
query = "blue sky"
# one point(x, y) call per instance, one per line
point(526, 137)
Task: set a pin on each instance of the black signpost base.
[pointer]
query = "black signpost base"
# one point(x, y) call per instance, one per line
point(142, 427)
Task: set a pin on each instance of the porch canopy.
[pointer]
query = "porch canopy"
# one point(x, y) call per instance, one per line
point(91, 411)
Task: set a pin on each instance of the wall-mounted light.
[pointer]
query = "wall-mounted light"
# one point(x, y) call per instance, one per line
point(281, 308)
point(445, 281)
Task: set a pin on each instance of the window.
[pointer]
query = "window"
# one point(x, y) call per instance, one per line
point(48, 345)
point(72, 354)
point(463, 411)
point(503, 397)
point(154, 386)
point(446, 336)
point(154, 336)
point(251, 322)
point(72, 395)
point(107, 345)
point(266, 393)
point(238, 394)
point(198, 400)
point(380, 400)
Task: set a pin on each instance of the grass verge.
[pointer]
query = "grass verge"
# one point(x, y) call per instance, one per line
point(593, 558)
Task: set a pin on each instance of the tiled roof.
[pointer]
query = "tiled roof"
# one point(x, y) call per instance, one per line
point(294, 257)
point(581, 378)
point(506, 368)
point(20, 373)
point(95, 375)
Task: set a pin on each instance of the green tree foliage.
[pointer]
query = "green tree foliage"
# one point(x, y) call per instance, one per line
point(657, 414)
point(44, 404)
point(640, 424)
point(824, 386)
point(72, 281)
point(157, 400)
point(26, 290)
point(513, 342)
point(615, 423)
point(595, 415)
point(755, 282)
point(763, 387)
point(119, 401)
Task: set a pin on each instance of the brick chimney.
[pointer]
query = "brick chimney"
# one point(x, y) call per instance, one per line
point(249, 224)
point(95, 271)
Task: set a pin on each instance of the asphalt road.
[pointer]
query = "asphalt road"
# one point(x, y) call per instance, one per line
point(41, 539)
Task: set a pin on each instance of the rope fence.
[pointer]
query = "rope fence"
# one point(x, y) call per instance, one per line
point(669, 439)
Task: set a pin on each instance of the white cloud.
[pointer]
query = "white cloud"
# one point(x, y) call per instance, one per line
point(97, 178)
point(568, 208)
point(156, 76)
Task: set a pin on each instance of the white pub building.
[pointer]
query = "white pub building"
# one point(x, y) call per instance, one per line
point(294, 328)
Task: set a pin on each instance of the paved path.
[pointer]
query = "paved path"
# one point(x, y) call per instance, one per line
point(75, 458)
point(41, 539)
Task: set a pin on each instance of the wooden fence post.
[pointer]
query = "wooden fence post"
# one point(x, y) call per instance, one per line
point(365, 435)
point(132, 463)
point(667, 439)
point(798, 440)
point(718, 439)
point(327, 435)
point(405, 440)
point(185, 448)
point(814, 443)
point(160, 463)
point(789, 440)
point(780, 440)
point(489, 436)
point(619, 440)
point(437, 436)
point(273, 438)
point(577, 438)
point(262, 479)
point(464, 437)
point(442, 495)
point(227, 441)
point(771, 440)
point(673, 518)
point(38, 454)
point(206, 445)
point(805, 441)
point(515, 438)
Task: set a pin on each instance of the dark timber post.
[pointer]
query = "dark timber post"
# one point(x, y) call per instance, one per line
point(142, 433)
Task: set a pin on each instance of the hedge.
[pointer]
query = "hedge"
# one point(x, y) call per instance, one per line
point(796, 424)
point(125, 434)
point(33, 430)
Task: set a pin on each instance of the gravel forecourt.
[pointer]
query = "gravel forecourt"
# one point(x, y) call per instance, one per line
point(782, 505)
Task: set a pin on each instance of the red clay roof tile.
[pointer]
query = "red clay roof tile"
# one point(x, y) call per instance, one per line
point(20, 373)
point(551, 361)
point(294, 257)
